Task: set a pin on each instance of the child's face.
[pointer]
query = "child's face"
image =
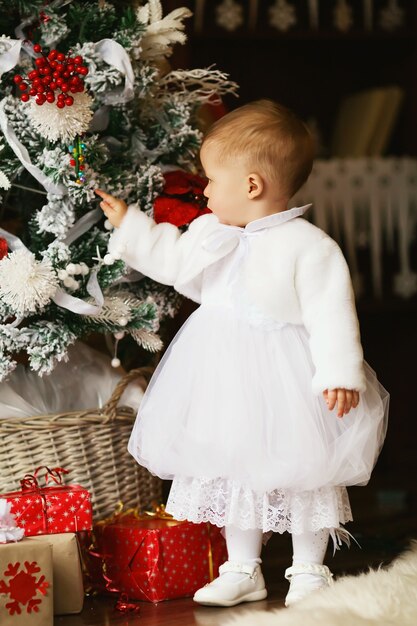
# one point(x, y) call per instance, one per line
point(226, 187)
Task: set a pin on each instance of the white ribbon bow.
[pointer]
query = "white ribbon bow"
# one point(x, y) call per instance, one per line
point(239, 237)
point(225, 234)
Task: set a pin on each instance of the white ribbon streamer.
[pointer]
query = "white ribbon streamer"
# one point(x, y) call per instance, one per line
point(82, 225)
point(100, 119)
point(10, 58)
point(13, 242)
point(76, 305)
point(94, 289)
point(23, 156)
point(115, 55)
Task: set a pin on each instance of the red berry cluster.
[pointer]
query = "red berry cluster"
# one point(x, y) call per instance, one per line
point(54, 71)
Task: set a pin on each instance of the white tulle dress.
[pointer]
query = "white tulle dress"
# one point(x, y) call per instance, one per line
point(230, 416)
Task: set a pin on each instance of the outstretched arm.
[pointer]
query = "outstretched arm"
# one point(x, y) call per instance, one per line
point(156, 250)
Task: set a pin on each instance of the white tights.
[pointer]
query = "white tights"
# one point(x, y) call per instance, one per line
point(243, 546)
point(310, 547)
point(246, 545)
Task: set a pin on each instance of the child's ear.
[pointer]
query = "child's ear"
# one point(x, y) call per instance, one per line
point(255, 185)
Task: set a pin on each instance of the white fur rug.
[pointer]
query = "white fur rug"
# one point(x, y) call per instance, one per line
point(382, 597)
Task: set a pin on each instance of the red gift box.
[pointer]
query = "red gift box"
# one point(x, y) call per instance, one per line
point(155, 557)
point(50, 509)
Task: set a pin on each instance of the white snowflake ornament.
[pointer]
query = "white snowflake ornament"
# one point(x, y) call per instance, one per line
point(62, 124)
point(391, 16)
point(405, 284)
point(282, 15)
point(26, 285)
point(229, 15)
point(342, 14)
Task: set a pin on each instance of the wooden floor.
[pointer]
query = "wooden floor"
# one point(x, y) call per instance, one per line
point(385, 522)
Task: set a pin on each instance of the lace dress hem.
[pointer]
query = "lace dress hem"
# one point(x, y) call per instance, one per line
point(223, 502)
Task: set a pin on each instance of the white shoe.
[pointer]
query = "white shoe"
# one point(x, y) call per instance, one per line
point(224, 591)
point(318, 577)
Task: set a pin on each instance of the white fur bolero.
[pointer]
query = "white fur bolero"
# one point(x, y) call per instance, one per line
point(294, 273)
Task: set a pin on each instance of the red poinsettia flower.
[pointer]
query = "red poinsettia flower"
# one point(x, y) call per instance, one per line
point(182, 199)
point(3, 248)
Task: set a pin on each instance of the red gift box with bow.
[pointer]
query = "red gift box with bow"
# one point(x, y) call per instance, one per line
point(50, 509)
point(153, 557)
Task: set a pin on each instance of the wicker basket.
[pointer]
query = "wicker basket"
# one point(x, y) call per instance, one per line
point(91, 444)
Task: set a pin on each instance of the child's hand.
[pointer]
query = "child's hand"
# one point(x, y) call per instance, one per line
point(345, 399)
point(113, 208)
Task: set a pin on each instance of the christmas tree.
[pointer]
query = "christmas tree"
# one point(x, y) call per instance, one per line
point(88, 100)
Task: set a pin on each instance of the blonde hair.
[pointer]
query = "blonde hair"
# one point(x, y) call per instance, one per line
point(270, 138)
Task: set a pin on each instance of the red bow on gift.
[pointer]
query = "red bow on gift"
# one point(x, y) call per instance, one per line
point(31, 482)
point(45, 505)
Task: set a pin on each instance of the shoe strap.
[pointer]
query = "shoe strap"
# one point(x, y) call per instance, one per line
point(309, 568)
point(236, 566)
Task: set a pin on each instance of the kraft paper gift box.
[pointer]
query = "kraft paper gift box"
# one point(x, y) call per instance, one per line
point(26, 583)
point(67, 573)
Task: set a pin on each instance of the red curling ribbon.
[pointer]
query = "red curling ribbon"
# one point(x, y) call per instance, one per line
point(54, 474)
point(30, 482)
point(109, 583)
point(124, 606)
